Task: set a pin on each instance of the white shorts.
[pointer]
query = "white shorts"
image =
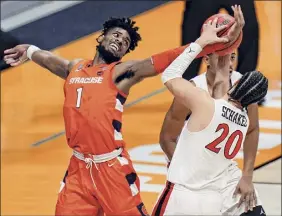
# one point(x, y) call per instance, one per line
point(178, 200)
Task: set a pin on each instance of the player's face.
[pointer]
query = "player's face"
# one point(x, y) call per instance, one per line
point(232, 61)
point(116, 41)
point(212, 59)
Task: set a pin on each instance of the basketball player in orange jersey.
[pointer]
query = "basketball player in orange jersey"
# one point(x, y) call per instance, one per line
point(100, 177)
point(202, 175)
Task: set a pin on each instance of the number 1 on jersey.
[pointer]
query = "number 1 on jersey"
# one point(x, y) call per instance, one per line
point(79, 95)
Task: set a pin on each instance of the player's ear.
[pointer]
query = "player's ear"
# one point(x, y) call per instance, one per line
point(100, 38)
point(206, 60)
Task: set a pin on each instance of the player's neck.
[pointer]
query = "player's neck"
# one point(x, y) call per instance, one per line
point(98, 59)
point(218, 84)
point(219, 89)
point(233, 102)
point(214, 77)
point(210, 77)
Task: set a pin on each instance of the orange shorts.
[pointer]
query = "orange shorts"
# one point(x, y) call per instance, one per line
point(113, 189)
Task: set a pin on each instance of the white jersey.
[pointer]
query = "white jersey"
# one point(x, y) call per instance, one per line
point(201, 157)
point(201, 80)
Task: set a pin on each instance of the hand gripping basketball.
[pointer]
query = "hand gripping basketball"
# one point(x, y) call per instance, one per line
point(233, 30)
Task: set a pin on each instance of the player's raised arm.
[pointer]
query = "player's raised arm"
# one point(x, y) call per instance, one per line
point(21, 53)
point(157, 63)
point(182, 89)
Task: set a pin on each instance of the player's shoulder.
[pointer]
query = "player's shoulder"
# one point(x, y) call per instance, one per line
point(122, 65)
point(126, 67)
point(126, 63)
point(235, 76)
point(74, 64)
point(199, 81)
point(199, 77)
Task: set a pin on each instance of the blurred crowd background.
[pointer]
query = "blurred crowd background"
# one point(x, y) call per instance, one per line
point(196, 12)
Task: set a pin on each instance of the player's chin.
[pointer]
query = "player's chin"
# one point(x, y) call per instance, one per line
point(113, 52)
point(117, 54)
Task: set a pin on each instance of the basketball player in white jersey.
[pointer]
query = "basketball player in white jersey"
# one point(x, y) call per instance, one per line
point(175, 117)
point(178, 113)
point(202, 175)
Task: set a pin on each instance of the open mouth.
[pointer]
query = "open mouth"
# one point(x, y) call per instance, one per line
point(114, 46)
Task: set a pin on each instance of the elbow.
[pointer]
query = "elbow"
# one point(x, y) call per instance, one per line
point(254, 130)
point(162, 140)
point(167, 142)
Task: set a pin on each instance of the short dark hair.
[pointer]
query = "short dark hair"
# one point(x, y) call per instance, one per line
point(251, 88)
point(126, 24)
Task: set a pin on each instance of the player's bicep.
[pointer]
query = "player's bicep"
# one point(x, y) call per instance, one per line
point(174, 121)
point(185, 92)
point(141, 68)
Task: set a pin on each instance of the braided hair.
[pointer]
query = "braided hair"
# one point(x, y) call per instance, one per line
point(126, 24)
point(251, 88)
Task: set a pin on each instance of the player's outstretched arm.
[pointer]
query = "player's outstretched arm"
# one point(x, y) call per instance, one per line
point(21, 53)
point(157, 63)
point(189, 95)
point(182, 89)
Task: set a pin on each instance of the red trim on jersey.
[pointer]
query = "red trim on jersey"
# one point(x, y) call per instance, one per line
point(160, 207)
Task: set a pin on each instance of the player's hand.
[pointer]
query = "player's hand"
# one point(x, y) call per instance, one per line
point(246, 189)
point(237, 27)
point(17, 55)
point(209, 34)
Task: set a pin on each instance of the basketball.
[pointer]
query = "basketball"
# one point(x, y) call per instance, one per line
point(220, 48)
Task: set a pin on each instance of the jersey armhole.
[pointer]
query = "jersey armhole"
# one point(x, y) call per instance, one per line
point(76, 65)
point(112, 82)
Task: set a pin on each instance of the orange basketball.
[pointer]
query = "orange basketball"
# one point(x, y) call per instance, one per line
point(220, 48)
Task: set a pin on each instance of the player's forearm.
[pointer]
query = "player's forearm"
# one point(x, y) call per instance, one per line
point(181, 63)
point(157, 63)
point(250, 147)
point(53, 63)
point(162, 60)
point(172, 76)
